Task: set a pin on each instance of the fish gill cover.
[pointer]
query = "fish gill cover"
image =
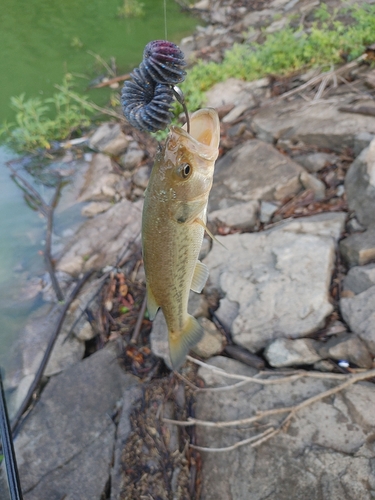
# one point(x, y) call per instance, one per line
point(147, 98)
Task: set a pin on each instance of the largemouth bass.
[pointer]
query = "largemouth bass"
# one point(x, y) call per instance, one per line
point(174, 218)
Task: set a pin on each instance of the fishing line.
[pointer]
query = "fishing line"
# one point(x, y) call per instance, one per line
point(165, 20)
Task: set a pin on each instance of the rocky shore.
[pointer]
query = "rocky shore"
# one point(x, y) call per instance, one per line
point(288, 311)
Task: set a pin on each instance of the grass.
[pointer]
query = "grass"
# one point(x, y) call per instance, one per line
point(328, 41)
point(131, 8)
point(39, 122)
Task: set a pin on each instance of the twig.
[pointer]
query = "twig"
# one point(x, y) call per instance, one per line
point(362, 110)
point(292, 410)
point(258, 439)
point(294, 376)
point(30, 393)
point(47, 211)
point(109, 82)
point(138, 324)
point(319, 78)
point(102, 61)
point(42, 206)
point(105, 111)
point(47, 248)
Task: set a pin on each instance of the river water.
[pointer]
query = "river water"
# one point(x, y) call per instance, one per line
point(40, 41)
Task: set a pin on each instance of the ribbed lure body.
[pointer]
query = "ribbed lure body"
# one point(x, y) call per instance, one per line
point(146, 99)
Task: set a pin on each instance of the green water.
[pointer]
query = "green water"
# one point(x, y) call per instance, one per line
point(36, 38)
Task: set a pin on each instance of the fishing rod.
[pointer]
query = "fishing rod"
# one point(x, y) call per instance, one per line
point(8, 448)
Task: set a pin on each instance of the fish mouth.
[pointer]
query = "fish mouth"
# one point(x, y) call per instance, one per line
point(204, 132)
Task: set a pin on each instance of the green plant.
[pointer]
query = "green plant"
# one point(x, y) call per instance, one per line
point(39, 122)
point(329, 41)
point(131, 8)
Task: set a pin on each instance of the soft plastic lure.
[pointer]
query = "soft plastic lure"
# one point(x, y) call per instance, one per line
point(146, 99)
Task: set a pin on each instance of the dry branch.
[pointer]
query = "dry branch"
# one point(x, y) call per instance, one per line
point(291, 410)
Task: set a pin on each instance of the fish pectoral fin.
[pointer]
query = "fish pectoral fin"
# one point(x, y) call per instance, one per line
point(181, 342)
point(200, 276)
point(152, 305)
point(201, 223)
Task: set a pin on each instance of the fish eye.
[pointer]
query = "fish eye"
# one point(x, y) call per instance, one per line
point(185, 170)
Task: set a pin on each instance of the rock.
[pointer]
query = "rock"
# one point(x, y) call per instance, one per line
point(314, 162)
point(326, 452)
point(232, 91)
point(370, 79)
point(100, 241)
point(347, 347)
point(354, 226)
point(141, 177)
point(95, 208)
point(133, 156)
point(288, 352)
point(227, 312)
point(235, 113)
point(308, 181)
point(236, 92)
point(102, 183)
point(130, 398)
point(109, 139)
point(65, 446)
point(360, 186)
point(279, 278)
point(319, 125)
point(329, 224)
point(267, 210)
point(359, 278)
point(212, 342)
point(238, 176)
point(216, 379)
point(258, 18)
point(358, 249)
point(361, 141)
point(359, 313)
point(30, 347)
point(240, 216)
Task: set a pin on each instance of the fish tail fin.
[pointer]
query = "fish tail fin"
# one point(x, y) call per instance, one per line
point(181, 342)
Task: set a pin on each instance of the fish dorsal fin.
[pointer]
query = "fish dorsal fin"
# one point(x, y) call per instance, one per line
point(152, 306)
point(199, 277)
point(201, 223)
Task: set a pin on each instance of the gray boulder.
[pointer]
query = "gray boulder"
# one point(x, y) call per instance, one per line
point(288, 352)
point(65, 447)
point(102, 182)
point(100, 241)
point(347, 347)
point(360, 186)
point(359, 278)
point(253, 171)
point(315, 125)
point(359, 313)
point(278, 278)
point(359, 249)
point(110, 139)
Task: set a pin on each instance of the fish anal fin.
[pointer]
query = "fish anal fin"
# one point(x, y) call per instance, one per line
point(200, 276)
point(181, 342)
point(201, 223)
point(152, 306)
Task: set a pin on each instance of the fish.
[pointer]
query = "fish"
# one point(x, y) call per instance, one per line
point(173, 225)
